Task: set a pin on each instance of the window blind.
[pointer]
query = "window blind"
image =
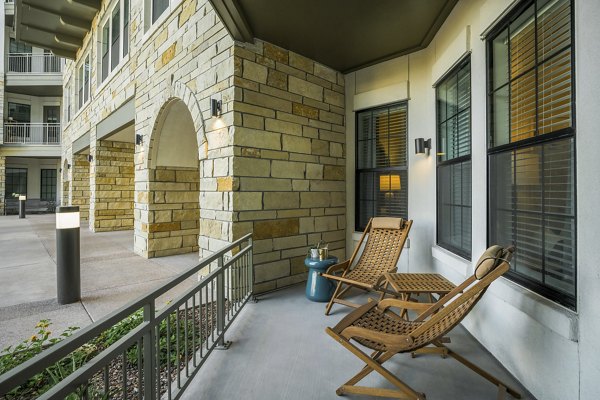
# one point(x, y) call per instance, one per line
point(532, 183)
point(381, 176)
point(454, 161)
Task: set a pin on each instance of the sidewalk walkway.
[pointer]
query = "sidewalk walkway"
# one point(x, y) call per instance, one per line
point(111, 275)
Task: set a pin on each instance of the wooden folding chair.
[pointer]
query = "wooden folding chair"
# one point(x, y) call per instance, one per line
point(385, 241)
point(376, 327)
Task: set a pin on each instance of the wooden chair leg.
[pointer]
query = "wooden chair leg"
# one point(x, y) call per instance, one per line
point(333, 297)
point(501, 385)
point(501, 392)
point(404, 392)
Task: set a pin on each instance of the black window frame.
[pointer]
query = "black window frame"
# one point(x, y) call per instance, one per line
point(454, 72)
point(48, 183)
point(358, 171)
point(568, 133)
point(9, 183)
point(155, 11)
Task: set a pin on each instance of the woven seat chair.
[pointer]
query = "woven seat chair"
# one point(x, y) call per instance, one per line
point(375, 326)
point(385, 241)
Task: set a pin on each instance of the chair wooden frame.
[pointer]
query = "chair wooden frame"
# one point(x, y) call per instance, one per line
point(369, 264)
point(434, 321)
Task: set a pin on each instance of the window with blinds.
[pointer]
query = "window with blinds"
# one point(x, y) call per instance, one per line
point(16, 182)
point(48, 185)
point(453, 103)
point(532, 146)
point(381, 163)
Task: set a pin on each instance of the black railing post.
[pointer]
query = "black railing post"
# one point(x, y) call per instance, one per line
point(221, 303)
point(149, 352)
point(250, 265)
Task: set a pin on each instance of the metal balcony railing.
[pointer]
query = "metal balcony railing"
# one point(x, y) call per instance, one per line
point(159, 357)
point(32, 133)
point(27, 63)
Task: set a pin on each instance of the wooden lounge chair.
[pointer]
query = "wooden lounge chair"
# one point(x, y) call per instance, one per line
point(386, 237)
point(376, 327)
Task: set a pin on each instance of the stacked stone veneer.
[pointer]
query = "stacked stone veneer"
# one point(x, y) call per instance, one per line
point(174, 212)
point(272, 164)
point(289, 163)
point(2, 183)
point(114, 186)
point(80, 184)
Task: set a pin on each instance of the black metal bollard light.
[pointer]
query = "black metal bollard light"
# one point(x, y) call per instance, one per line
point(22, 200)
point(68, 276)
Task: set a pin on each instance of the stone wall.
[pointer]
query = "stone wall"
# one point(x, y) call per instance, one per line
point(114, 186)
point(174, 212)
point(188, 58)
point(2, 183)
point(289, 164)
point(80, 190)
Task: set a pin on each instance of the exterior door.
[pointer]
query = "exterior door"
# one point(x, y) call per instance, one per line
point(52, 124)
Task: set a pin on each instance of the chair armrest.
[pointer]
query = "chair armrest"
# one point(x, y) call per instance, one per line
point(337, 267)
point(410, 305)
point(390, 340)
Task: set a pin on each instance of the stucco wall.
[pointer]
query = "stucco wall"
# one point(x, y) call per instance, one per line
point(587, 52)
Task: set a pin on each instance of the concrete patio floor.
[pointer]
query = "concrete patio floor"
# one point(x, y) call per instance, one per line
point(111, 275)
point(280, 351)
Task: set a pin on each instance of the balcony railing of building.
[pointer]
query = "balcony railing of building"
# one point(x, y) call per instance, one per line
point(27, 63)
point(32, 133)
point(159, 357)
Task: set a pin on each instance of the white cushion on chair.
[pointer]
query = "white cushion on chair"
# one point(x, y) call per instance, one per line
point(386, 223)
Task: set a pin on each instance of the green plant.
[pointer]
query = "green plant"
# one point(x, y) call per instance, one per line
point(176, 321)
point(29, 348)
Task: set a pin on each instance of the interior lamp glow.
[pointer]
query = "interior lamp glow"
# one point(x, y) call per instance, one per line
point(389, 182)
point(67, 217)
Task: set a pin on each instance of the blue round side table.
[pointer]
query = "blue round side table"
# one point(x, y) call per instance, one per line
point(318, 288)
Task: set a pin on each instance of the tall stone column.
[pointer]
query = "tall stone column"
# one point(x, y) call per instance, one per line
point(80, 184)
point(113, 186)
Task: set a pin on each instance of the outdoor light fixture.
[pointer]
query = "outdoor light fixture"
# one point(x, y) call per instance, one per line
point(215, 107)
point(90, 158)
point(22, 200)
point(422, 146)
point(139, 139)
point(68, 281)
point(68, 166)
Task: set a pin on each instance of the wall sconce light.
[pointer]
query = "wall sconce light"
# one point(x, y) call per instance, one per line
point(139, 139)
point(90, 158)
point(422, 146)
point(68, 166)
point(215, 107)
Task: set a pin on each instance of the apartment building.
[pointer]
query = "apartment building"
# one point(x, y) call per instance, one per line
point(193, 122)
point(30, 135)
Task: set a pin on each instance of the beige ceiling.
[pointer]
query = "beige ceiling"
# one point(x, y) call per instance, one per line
point(343, 34)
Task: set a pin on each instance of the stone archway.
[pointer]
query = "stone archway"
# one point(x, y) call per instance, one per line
point(173, 182)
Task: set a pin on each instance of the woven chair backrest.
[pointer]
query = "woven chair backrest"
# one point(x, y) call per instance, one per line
point(383, 248)
point(456, 309)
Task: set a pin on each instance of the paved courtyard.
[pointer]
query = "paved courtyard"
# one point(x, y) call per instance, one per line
point(111, 275)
